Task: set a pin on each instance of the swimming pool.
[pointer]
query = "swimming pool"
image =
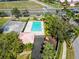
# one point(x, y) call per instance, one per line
point(36, 26)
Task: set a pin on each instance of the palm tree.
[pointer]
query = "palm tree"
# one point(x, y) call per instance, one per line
point(59, 29)
point(48, 52)
point(10, 46)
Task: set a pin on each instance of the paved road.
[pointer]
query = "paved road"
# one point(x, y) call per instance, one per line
point(33, 12)
point(72, 22)
point(76, 48)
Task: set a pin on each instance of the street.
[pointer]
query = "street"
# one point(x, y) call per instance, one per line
point(76, 47)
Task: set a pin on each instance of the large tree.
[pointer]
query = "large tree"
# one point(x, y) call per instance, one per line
point(10, 46)
point(58, 28)
point(26, 13)
point(3, 14)
point(48, 51)
point(16, 12)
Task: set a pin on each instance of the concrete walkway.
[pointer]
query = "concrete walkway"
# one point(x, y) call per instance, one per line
point(64, 50)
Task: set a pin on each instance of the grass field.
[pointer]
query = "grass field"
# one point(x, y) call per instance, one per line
point(56, 5)
point(24, 55)
point(20, 5)
point(24, 19)
point(70, 53)
point(60, 51)
point(3, 20)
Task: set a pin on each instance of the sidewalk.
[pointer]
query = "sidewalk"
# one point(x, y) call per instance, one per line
point(64, 50)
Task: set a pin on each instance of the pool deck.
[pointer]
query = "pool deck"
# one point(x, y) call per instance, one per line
point(29, 26)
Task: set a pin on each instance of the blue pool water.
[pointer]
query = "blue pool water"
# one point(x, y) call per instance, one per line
point(36, 26)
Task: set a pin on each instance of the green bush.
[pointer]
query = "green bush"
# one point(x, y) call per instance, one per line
point(3, 14)
point(16, 12)
point(10, 46)
point(48, 51)
point(28, 46)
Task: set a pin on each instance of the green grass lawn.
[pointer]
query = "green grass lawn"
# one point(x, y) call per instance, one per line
point(60, 51)
point(3, 20)
point(70, 53)
point(24, 55)
point(23, 19)
point(56, 5)
point(20, 5)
